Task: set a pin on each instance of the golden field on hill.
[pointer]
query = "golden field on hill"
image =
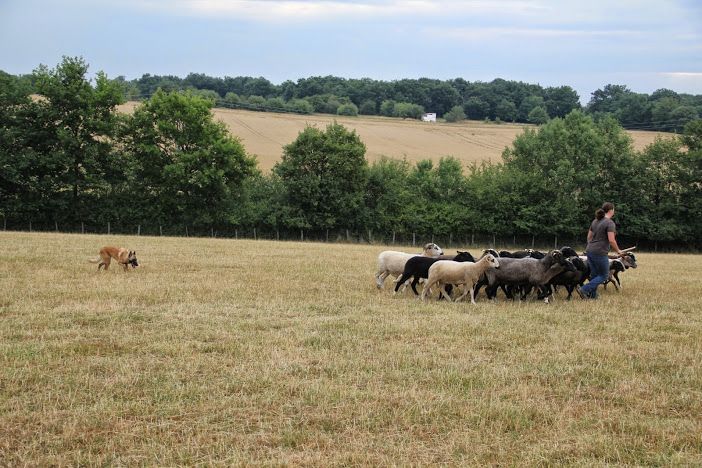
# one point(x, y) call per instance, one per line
point(264, 134)
point(227, 352)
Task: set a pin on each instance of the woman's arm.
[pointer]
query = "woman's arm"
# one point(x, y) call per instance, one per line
point(612, 241)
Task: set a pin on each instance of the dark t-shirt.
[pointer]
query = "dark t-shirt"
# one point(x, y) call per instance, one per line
point(599, 245)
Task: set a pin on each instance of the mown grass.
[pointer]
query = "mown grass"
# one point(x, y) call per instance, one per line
point(224, 352)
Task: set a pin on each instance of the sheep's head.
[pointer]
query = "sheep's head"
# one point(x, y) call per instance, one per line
point(562, 260)
point(629, 260)
point(492, 252)
point(492, 261)
point(463, 257)
point(569, 251)
point(578, 263)
point(433, 250)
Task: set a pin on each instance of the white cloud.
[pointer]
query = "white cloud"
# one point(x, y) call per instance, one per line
point(311, 10)
point(475, 33)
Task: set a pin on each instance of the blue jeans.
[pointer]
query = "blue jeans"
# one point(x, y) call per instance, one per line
point(599, 272)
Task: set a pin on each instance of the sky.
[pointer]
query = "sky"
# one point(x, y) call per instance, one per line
point(645, 45)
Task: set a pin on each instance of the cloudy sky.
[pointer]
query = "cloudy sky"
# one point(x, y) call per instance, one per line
point(646, 45)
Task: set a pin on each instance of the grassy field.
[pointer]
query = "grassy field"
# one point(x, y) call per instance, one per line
point(223, 352)
point(264, 134)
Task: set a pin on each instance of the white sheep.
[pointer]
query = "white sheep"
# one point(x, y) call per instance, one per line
point(446, 272)
point(392, 262)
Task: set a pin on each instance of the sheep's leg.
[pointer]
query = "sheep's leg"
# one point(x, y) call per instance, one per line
point(426, 290)
point(465, 293)
point(472, 293)
point(414, 285)
point(617, 283)
point(446, 294)
point(400, 282)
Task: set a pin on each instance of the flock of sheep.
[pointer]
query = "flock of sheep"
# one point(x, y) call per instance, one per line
point(514, 273)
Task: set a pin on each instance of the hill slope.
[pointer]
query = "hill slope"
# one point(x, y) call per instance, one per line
point(264, 134)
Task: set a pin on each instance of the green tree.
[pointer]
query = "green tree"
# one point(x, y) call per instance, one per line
point(77, 122)
point(561, 100)
point(300, 105)
point(476, 108)
point(349, 109)
point(367, 107)
point(456, 114)
point(528, 104)
point(324, 176)
point(538, 116)
point(185, 167)
point(567, 167)
point(387, 108)
point(506, 110)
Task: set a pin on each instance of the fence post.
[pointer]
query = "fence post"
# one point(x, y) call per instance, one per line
point(212, 231)
point(414, 239)
point(138, 229)
point(30, 226)
point(236, 234)
point(4, 223)
point(160, 230)
point(472, 239)
point(186, 231)
point(494, 244)
point(108, 227)
point(450, 239)
point(56, 225)
point(393, 237)
point(327, 235)
point(532, 241)
point(302, 235)
point(555, 242)
point(277, 235)
point(254, 233)
point(348, 238)
point(370, 236)
point(514, 240)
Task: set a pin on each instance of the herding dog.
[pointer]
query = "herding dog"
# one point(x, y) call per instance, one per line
point(120, 254)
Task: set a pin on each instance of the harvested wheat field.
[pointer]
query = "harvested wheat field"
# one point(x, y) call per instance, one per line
point(236, 352)
point(264, 134)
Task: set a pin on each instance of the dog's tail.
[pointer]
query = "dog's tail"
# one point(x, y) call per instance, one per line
point(96, 260)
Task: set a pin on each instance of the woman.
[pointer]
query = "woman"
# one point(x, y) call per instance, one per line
point(600, 237)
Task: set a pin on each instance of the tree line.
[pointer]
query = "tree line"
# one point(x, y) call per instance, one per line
point(457, 99)
point(67, 156)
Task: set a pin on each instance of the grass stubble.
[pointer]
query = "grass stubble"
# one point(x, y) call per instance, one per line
point(221, 352)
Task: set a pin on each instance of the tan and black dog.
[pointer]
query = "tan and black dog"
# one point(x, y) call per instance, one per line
point(120, 254)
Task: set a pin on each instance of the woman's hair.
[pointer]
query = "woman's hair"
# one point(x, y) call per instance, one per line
point(599, 214)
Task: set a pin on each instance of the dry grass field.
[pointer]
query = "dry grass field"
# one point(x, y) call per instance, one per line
point(264, 134)
point(226, 352)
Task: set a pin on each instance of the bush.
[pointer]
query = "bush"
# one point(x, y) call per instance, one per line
point(367, 108)
point(347, 109)
point(456, 114)
point(300, 105)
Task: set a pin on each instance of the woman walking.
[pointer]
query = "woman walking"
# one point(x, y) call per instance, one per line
point(600, 236)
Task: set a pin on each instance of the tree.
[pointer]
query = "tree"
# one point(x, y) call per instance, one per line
point(528, 104)
point(349, 109)
point(367, 107)
point(324, 176)
point(476, 109)
point(185, 167)
point(506, 110)
point(77, 123)
point(456, 114)
point(561, 100)
point(538, 116)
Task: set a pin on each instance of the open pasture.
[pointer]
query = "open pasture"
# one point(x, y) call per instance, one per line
point(223, 352)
